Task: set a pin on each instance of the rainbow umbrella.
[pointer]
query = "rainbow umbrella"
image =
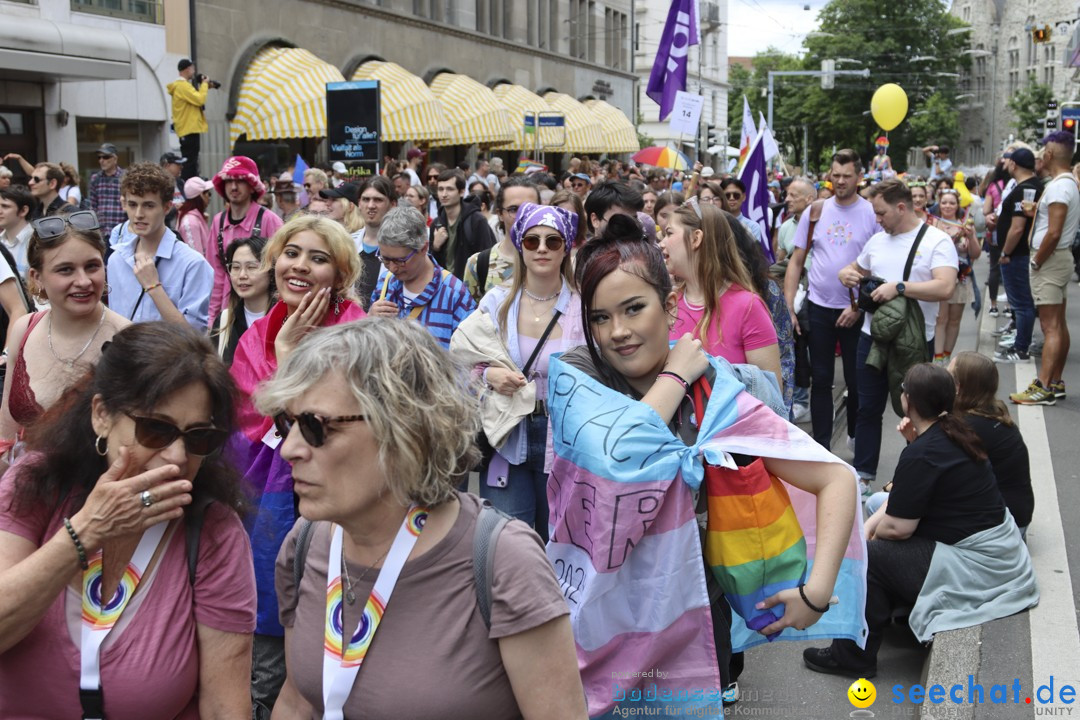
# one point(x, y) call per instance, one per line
point(663, 157)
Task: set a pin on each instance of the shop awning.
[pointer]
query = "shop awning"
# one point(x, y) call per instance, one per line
point(283, 95)
point(584, 133)
point(474, 113)
point(619, 133)
point(37, 49)
point(521, 103)
point(410, 111)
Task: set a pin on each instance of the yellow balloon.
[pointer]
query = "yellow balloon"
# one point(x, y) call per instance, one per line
point(889, 106)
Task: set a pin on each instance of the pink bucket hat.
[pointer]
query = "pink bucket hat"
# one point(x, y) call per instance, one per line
point(243, 168)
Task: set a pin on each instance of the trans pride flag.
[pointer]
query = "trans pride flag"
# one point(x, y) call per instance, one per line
point(625, 541)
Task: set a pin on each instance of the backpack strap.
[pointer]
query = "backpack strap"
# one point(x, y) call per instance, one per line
point(914, 249)
point(221, 238)
point(815, 215)
point(257, 230)
point(489, 523)
point(192, 535)
point(483, 264)
point(303, 540)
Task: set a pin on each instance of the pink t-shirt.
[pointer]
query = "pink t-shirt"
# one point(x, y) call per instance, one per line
point(150, 659)
point(839, 236)
point(743, 324)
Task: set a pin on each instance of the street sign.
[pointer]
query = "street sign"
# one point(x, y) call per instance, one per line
point(686, 113)
point(354, 121)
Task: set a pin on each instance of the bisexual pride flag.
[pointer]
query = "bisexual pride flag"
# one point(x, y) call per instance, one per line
point(626, 544)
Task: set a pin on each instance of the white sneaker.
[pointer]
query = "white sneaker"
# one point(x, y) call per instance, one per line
point(801, 413)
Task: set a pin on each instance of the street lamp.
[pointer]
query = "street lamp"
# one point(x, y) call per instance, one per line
point(947, 74)
point(977, 53)
point(920, 58)
point(840, 61)
point(965, 95)
point(958, 31)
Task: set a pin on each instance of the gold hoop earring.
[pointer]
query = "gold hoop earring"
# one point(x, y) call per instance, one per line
point(97, 445)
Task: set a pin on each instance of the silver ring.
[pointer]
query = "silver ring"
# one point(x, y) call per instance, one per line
point(146, 498)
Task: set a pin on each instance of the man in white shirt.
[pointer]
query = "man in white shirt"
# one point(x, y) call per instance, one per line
point(932, 279)
point(1057, 219)
point(940, 164)
point(16, 204)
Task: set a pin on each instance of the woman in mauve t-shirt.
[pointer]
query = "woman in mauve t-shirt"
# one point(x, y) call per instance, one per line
point(715, 304)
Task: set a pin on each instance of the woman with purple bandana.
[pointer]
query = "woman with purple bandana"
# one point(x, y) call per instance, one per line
point(518, 327)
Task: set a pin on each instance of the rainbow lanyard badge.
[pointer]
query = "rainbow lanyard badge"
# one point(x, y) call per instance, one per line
point(341, 661)
point(99, 617)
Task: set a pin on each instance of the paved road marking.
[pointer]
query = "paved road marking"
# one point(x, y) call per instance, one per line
point(1055, 639)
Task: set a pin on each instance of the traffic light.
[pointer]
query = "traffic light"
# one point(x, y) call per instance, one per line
point(710, 135)
point(1041, 34)
point(1069, 125)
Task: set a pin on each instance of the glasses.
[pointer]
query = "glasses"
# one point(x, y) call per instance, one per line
point(250, 268)
point(312, 427)
point(54, 226)
point(307, 186)
point(433, 177)
point(35, 179)
point(711, 199)
point(511, 210)
point(733, 195)
point(532, 242)
point(397, 262)
point(159, 434)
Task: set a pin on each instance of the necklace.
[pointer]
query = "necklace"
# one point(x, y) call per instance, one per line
point(538, 316)
point(350, 596)
point(71, 363)
point(541, 299)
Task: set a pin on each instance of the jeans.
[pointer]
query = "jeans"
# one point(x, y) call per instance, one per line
point(1017, 281)
point(524, 495)
point(824, 335)
point(993, 280)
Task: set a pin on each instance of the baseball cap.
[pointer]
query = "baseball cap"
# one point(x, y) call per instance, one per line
point(338, 167)
point(350, 191)
point(707, 172)
point(107, 149)
point(415, 153)
point(196, 186)
point(1022, 157)
point(582, 176)
point(184, 65)
point(171, 158)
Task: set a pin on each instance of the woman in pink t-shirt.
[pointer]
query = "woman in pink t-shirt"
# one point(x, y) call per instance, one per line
point(715, 304)
point(118, 472)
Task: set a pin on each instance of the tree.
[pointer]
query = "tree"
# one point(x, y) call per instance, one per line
point(1029, 107)
point(754, 84)
point(936, 121)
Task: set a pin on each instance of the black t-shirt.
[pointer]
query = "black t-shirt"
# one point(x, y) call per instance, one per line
point(951, 495)
point(1010, 208)
point(1009, 458)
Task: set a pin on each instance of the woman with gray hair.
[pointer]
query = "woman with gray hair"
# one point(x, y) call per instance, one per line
point(379, 428)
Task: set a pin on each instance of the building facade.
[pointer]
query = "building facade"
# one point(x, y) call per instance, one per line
point(707, 72)
point(1005, 59)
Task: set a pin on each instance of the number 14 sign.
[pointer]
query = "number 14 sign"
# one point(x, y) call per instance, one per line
point(686, 114)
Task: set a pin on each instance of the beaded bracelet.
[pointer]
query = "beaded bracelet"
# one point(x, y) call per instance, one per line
point(78, 545)
point(676, 377)
point(812, 606)
point(155, 286)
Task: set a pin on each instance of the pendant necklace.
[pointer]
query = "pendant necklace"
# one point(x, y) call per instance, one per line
point(71, 363)
point(534, 299)
point(350, 596)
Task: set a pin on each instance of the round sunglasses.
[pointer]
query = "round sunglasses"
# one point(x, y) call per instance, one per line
point(532, 242)
point(312, 427)
point(155, 434)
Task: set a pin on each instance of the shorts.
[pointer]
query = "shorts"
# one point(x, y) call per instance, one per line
point(963, 294)
point(1048, 283)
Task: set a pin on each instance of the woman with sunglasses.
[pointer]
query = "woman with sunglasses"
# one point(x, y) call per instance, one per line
point(961, 229)
point(517, 329)
point(251, 295)
point(314, 264)
point(124, 512)
point(379, 428)
point(53, 348)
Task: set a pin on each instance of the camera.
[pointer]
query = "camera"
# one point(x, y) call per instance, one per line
point(200, 79)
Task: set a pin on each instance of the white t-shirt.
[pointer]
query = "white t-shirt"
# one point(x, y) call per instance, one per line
point(1061, 189)
point(414, 179)
point(885, 255)
point(251, 317)
point(71, 192)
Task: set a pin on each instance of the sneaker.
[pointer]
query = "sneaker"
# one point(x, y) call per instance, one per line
point(730, 695)
point(800, 413)
point(1009, 312)
point(1035, 394)
point(1011, 355)
point(1011, 327)
point(864, 490)
point(1058, 388)
point(1007, 340)
point(821, 660)
point(992, 312)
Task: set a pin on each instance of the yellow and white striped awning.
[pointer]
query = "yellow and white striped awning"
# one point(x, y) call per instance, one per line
point(619, 132)
point(584, 133)
point(520, 102)
point(283, 95)
point(410, 111)
point(474, 113)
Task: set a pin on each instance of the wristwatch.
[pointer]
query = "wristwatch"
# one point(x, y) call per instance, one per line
point(1034, 265)
point(900, 288)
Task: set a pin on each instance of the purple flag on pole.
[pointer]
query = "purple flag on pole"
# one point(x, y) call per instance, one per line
point(755, 177)
point(669, 69)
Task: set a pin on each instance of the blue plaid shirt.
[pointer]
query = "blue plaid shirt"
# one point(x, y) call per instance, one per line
point(440, 307)
point(105, 200)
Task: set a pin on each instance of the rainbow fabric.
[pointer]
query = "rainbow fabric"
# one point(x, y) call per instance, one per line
point(625, 541)
point(94, 613)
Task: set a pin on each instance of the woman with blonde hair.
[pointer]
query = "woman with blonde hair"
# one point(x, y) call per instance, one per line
point(314, 264)
point(717, 303)
point(571, 202)
point(419, 197)
point(70, 191)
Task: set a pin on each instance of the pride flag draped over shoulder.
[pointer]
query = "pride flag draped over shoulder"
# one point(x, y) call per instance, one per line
point(625, 541)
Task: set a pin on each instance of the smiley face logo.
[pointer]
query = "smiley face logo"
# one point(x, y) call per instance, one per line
point(862, 693)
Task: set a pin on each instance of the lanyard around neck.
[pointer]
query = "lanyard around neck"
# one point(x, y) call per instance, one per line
point(99, 617)
point(341, 659)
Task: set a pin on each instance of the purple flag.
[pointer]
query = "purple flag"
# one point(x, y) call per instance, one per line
point(755, 176)
point(669, 69)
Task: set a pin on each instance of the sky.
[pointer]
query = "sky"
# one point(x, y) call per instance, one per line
point(757, 24)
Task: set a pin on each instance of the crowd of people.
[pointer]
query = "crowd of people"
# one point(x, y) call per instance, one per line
point(222, 431)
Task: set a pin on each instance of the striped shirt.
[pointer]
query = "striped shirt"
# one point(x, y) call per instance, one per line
point(439, 307)
point(105, 200)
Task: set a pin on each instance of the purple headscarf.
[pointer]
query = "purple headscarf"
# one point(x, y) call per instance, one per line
point(530, 215)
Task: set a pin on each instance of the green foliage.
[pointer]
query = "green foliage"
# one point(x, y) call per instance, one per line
point(644, 140)
point(936, 121)
point(1029, 107)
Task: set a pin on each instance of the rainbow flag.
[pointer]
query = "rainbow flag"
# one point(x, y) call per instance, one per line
point(626, 544)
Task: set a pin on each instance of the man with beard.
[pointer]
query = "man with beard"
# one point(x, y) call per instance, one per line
point(238, 182)
point(432, 174)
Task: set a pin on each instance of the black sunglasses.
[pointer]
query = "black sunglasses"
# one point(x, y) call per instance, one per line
point(54, 226)
point(733, 195)
point(156, 434)
point(312, 427)
point(532, 242)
